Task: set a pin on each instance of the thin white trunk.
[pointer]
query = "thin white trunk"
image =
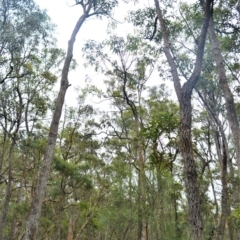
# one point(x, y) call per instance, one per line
point(37, 200)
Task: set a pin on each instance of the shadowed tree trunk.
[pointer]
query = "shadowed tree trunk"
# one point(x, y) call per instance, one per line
point(184, 94)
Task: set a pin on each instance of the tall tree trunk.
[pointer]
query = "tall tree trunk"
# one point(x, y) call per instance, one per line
point(223, 82)
point(228, 96)
point(223, 154)
point(184, 94)
point(224, 200)
point(190, 172)
point(142, 214)
point(37, 200)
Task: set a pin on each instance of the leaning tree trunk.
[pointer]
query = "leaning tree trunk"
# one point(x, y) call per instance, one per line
point(37, 200)
point(184, 94)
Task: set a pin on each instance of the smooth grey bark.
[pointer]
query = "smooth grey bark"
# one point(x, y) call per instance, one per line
point(184, 94)
point(228, 96)
point(142, 221)
point(38, 196)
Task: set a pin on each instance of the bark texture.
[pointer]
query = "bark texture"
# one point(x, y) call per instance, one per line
point(184, 94)
point(39, 192)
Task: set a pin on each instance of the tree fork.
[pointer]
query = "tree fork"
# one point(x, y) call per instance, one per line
point(184, 94)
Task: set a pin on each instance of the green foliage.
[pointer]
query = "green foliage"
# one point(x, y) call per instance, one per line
point(97, 181)
point(49, 76)
point(67, 168)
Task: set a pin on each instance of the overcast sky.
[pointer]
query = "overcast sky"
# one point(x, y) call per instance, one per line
point(65, 17)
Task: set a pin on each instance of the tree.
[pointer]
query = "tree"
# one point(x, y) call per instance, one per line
point(23, 79)
point(118, 171)
point(140, 120)
point(184, 94)
point(228, 95)
point(89, 9)
point(129, 74)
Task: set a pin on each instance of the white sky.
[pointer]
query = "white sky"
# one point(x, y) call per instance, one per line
point(65, 17)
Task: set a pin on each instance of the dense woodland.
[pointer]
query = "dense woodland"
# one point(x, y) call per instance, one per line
point(158, 158)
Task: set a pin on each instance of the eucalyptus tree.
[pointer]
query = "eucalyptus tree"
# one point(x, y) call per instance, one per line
point(165, 188)
point(135, 130)
point(213, 103)
point(26, 75)
point(128, 74)
point(89, 8)
point(224, 44)
point(31, 111)
point(224, 39)
point(77, 185)
point(210, 94)
point(184, 94)
point(233, 29)
point(171, 33)
point(213, 149)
